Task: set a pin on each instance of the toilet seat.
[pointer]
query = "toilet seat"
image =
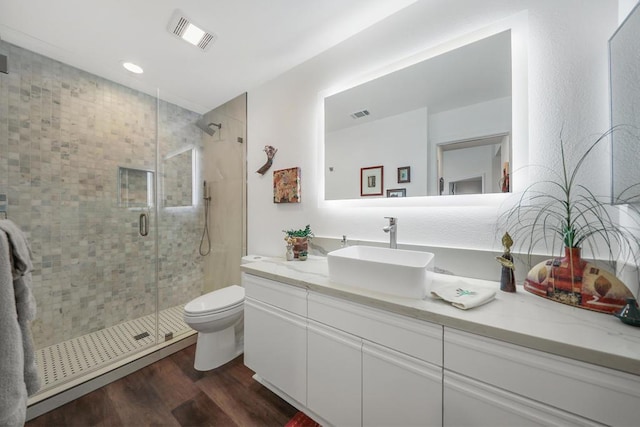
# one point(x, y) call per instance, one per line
point(224, 299)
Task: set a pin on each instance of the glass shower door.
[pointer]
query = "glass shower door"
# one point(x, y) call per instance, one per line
point(180, 216)
point(96, 288)
point(77, 165)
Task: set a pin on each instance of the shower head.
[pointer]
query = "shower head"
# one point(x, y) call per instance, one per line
point(208, 127)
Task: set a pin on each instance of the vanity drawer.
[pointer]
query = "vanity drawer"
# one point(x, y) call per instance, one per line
point(416, 338)
point(594, 392)
point(485, 405)
point(285, 297)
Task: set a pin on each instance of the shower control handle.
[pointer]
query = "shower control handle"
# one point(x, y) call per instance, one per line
point(144, 224)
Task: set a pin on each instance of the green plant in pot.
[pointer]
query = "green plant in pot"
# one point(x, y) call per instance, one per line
point(302, 256)
point(559, 212)
point(299, 238)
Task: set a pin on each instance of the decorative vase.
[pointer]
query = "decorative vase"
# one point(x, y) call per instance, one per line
point(289, 254)
point(300, 244)
point(571, 280)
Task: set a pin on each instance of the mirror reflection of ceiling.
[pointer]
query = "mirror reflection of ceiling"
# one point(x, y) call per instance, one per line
point(401, 118)
point(471, 74)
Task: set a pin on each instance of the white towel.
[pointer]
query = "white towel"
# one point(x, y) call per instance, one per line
point(464, 296)
point(18, 371)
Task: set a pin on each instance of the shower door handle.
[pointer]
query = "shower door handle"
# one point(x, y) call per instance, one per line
point(144, 224)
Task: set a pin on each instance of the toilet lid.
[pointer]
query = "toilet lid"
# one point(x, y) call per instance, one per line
point(216, 301)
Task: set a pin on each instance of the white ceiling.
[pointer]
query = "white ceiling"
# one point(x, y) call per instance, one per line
point(256, 39)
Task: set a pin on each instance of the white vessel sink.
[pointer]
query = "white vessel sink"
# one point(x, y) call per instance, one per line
point(392, 271)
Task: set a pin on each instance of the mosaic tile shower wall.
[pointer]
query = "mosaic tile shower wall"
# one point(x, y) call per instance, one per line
point(63, 135)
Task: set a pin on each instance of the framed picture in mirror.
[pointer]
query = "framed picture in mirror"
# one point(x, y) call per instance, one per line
point(371, 181)
point(404, 174)
point(397, 192)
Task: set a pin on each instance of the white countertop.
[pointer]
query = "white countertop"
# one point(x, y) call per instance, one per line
point(519, 318)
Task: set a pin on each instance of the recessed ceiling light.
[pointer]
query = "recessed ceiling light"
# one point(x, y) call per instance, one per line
point(130, 66)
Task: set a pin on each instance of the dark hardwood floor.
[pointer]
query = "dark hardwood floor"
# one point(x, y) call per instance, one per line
point(171, 393)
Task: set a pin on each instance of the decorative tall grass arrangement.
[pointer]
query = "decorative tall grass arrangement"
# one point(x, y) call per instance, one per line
point(561, 212)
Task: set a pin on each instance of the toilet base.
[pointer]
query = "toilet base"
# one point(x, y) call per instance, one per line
point(214, 349)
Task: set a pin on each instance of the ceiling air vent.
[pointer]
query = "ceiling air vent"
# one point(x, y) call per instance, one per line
point(360, 114)
point(185, 29)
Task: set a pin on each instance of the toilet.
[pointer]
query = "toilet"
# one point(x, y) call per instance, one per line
point(216, 316)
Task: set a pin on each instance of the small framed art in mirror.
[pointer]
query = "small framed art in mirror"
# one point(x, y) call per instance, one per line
point(397, 192)
point(371, 181)
point(404, 174)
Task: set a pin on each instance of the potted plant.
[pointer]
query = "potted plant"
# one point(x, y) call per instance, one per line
point(302, 256)
point(561, 212)
point(299, 238)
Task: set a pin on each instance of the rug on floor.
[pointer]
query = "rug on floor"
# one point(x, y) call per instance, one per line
point(301, 420)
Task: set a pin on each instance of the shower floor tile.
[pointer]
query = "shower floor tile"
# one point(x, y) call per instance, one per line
point(69, 359)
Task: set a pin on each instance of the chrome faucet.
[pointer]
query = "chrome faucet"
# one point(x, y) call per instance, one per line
point(392, 230)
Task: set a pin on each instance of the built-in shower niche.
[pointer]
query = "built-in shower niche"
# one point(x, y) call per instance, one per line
point(135, 188)
point(178, 178)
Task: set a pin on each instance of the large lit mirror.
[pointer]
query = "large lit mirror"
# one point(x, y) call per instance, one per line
point(442, 126)
point(624, 56)
point(178, 178)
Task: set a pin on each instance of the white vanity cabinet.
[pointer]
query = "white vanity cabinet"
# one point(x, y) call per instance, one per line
point(349, 364)
point(334, 375)
point(275, 334)
point(372, 368)
point(468, 402)
point(498, 383)
point(398, 389)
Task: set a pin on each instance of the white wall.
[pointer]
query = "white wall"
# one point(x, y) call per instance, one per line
point(567, 89)
point(392, 142)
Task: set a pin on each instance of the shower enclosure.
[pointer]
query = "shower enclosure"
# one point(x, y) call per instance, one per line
point(106, 182)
